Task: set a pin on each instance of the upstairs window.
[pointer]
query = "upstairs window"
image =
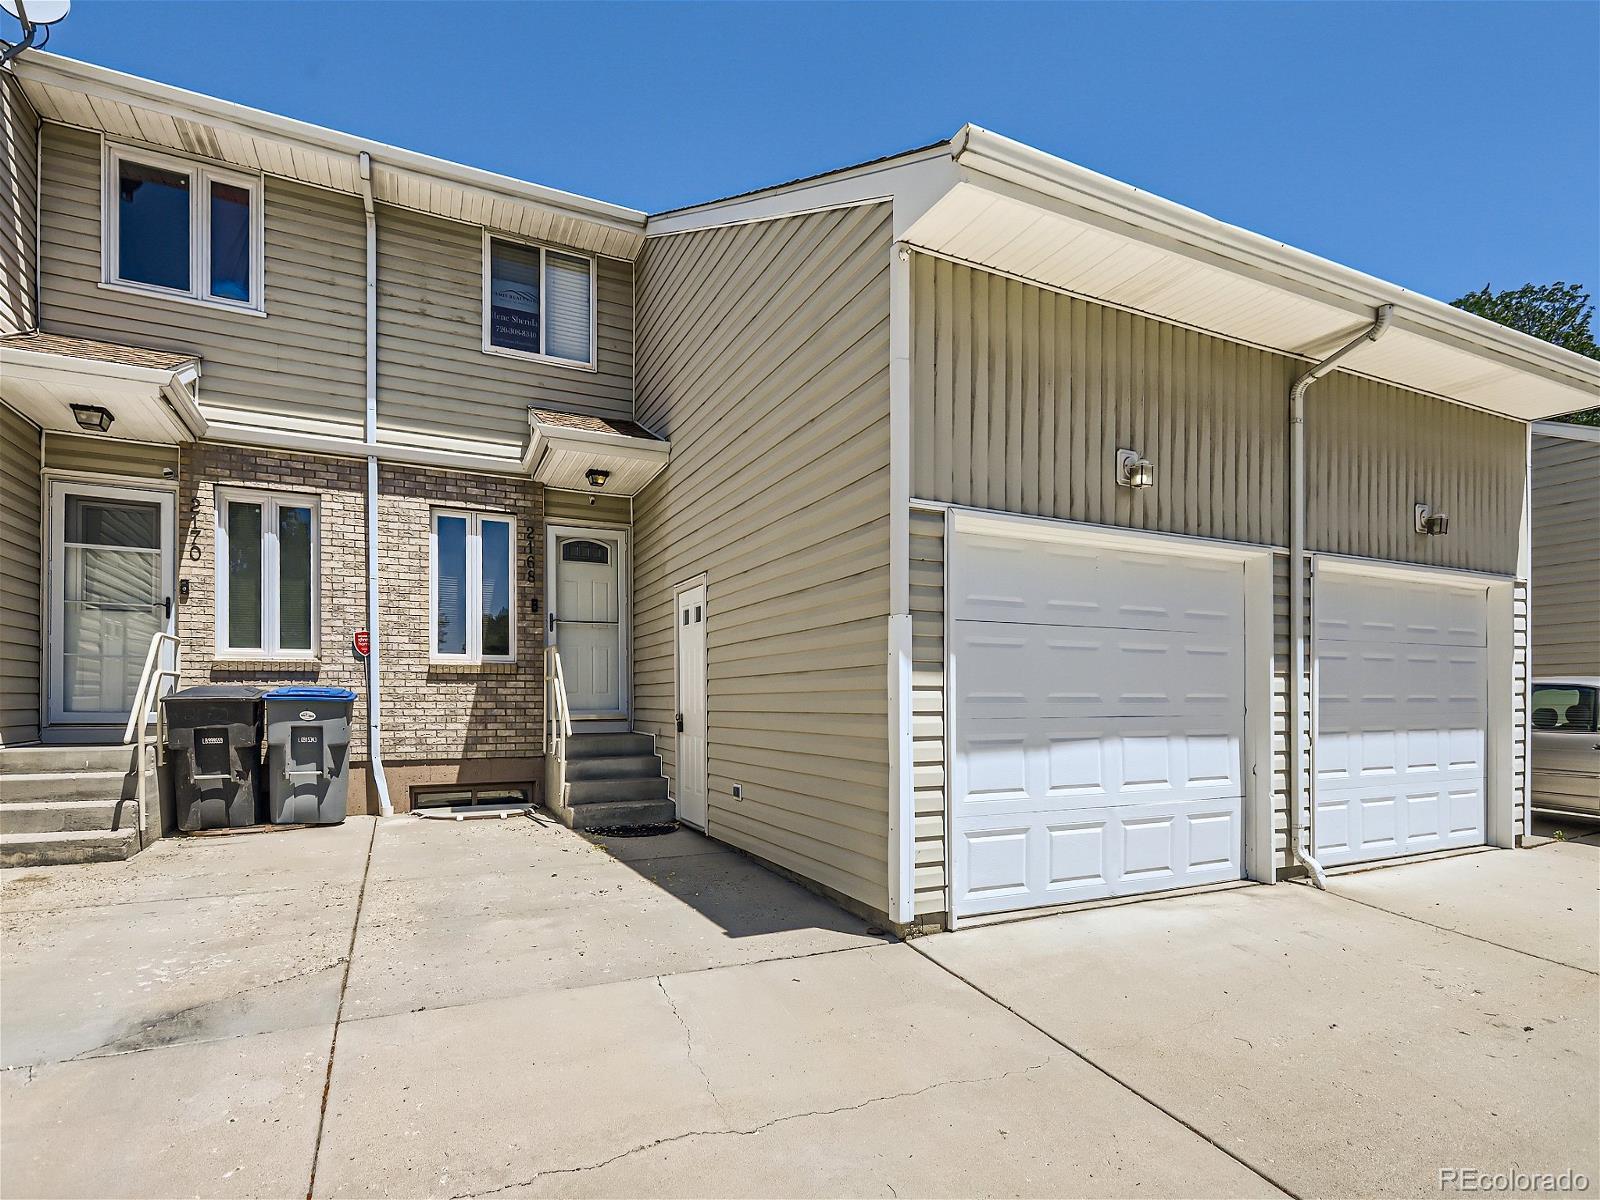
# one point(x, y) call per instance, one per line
point(538, 303)
point(182, 229)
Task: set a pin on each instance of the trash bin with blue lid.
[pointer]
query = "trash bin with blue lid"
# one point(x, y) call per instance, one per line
point(308, 750)
point(211, 744)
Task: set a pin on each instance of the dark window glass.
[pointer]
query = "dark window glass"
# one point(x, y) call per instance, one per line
point(513, 297)
point(153, 226)
point(591, 552)
point(230, 242)
point(294, 578)
point(1565, 708)
point(244, 576)
point(451, 632)
point(496, 555)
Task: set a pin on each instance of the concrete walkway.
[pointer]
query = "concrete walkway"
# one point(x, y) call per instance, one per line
point(460, 1009)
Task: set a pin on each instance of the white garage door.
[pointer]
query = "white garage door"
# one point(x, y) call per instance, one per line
point(1402, 702)
point(1099, 713)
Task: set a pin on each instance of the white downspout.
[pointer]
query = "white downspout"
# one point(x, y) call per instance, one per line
point(374, 707)
point(1297, 586)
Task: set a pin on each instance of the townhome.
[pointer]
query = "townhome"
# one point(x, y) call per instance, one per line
point(961, 533)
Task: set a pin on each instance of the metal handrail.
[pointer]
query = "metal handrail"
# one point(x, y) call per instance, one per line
point(147, 694)
point(559, 714)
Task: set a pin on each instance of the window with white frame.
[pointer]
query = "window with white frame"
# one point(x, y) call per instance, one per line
point(267, 578)
point(180, 228)
point(538, 303)
point(472, 587)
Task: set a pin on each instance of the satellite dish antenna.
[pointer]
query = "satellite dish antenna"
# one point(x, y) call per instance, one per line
point(32, 15)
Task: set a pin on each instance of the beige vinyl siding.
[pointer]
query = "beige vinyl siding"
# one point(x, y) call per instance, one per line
point(927, 709)
point(109, 456)
point(1521, 679)
point(19, 171)
point(434, 379)
point(302, 366)
point(1021, 398)
point(1566, 556)
point(573, 508)
point(20, 575)
point(1373, 452)
point(764, 357)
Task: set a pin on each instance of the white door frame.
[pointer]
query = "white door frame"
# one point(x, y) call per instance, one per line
point(553, 534)
point(699, 581)
point(1499, 767)
point(58, 488)
point(1257, 854)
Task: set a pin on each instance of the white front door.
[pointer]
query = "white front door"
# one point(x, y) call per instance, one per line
point(691, 717)
point(110, 593)
point(1402, 689)
point(589, 573)
point(1099, 709)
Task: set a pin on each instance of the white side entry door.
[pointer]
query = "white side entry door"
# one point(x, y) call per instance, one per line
point(691, 714)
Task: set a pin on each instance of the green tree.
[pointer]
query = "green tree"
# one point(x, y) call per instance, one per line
point(1556, 312)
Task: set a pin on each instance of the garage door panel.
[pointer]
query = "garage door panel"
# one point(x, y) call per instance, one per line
point(1371, 609)
point(1052, 763)
point(1003, 863)
point(1034, 582)
point(1005, 671)
point(1402, 698)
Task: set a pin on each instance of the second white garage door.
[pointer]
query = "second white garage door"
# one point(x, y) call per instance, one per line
point(1098, 698)
point(1401, 713)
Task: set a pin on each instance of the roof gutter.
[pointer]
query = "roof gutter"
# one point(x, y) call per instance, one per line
point(1002, 158)
point(374, 674)
point(1299, 804)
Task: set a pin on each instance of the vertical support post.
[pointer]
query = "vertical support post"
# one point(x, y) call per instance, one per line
point(902, 794)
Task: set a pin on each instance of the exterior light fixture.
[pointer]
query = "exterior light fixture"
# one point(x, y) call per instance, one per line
point(1430, 523)
point(1134, 471)
point(596, 477)
point(92, 418)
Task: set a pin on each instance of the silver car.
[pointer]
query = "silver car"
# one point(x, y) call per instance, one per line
point(1566, 745)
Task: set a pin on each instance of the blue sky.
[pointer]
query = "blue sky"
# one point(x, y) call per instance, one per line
point(1439, 145)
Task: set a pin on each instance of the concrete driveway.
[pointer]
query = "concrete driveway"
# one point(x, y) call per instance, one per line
point(430, 1008)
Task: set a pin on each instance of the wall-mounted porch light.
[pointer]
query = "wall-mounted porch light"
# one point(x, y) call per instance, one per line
point(92, 418)
point(596, 477)
point(1430, 523)
point(1134, 471)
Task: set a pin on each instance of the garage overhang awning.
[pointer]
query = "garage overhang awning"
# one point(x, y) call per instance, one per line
point(1028, 214)
point(600, 455)
point(150, 395)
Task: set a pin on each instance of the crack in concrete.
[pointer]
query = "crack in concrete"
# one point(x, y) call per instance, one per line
point(688, 1048)
point(1471, 937)
point(143, 1037)
point(753, 1130)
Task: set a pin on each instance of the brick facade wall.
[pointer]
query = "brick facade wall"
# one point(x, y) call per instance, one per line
point(432, 713)
point(439, 711)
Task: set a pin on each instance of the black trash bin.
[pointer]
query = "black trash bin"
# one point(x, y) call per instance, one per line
point(213, 744)
point(308, 748)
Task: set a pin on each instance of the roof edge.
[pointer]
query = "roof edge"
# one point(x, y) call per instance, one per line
point(59, 71)
point(989, 153)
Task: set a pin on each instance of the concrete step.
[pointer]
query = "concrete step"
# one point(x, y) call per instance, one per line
point(43, 760)
point(67, 816)
point(621, 766)
point(609, 745)
point(608, 791)
point(61, 849)
point(78, 785)
point(627, 814)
